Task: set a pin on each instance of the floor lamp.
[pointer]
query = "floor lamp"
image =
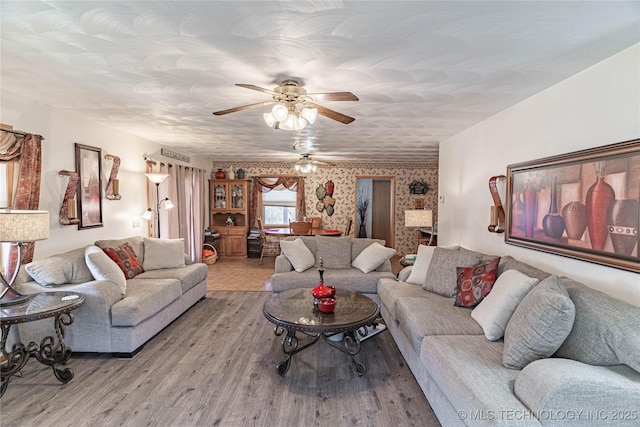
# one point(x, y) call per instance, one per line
point(157, 178)
point(18, 227)
point(417, 218)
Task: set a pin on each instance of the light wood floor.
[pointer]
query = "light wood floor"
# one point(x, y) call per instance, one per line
point(215, 366)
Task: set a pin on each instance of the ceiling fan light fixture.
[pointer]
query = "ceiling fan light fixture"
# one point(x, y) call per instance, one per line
point(269, 119)
point(310, 114)
point(280, 111)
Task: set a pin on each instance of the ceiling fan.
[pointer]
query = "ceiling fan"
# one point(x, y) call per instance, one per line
point(306, 165)
point(294, 108)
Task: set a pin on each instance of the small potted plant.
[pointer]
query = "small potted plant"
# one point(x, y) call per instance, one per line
point(418, 187)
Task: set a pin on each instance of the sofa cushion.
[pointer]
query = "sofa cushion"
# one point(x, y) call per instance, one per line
point(391, 291)
point(360, 244)
point(510, 263)
point(189, 275)
point(605, 330)
point(334, 251)
point(469, 373)
point(350, 279)
point(433, 314)
point(126, 259)
point(421, 265)
point(68, 267)
point(104, 268)
point(163, 253)
point(539, 325)
point(372, 257)
point(495, 310)
point(298, 254)
point(441, 275)
point(475, 283)
point(144, 299)
point(136, 243)
point(594, 393)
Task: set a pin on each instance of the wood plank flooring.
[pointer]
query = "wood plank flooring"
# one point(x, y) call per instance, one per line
point(215, 366)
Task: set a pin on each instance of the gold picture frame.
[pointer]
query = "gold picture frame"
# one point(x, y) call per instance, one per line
point(583, 205)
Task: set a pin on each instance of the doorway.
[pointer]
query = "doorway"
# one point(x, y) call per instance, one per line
point(374, 201)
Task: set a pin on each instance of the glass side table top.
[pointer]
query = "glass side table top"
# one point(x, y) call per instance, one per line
point(40, 306)
point(294, 309)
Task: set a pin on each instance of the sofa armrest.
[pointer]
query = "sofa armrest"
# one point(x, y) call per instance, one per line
point(404, 274)
point(282, 264)
point(92, 322)
point(550, 386)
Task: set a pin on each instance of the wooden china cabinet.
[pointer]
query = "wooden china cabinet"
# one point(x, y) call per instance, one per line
point(229, 214)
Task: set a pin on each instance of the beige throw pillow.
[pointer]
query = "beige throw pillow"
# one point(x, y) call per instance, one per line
point(372, 257)
point(163, 253)
point(441, 275)
point(104, 268)
point(298, 254)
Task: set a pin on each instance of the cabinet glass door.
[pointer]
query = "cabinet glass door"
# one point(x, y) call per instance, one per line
point(219, 196)
point(237, 196)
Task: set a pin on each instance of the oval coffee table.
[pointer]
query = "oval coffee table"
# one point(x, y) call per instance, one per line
point(293, 311)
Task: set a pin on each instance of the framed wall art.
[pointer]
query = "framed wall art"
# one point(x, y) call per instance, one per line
point(583, 205)
point(88, 166)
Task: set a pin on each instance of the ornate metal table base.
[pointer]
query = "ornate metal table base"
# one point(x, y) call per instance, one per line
point(350, 346)
point(48, 353)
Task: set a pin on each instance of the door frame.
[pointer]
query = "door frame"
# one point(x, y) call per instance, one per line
point(392, 203)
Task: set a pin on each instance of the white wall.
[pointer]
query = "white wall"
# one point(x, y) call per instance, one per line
point(596, 107)
point(61, 131)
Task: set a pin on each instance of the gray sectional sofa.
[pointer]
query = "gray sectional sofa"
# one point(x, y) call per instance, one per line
point(119, 315)
point(593, 378)
point(339, 255)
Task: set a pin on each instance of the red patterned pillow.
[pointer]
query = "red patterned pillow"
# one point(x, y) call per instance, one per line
point(126, 258)
point(475, 283)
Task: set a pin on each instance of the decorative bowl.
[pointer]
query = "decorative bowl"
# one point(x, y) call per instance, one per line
point(326, 305)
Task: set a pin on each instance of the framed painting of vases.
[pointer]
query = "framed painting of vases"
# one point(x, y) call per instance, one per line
point(583, 205)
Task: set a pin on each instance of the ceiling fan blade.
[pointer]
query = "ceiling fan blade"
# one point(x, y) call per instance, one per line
point(243, 107)
point(343, 118)
point(320, 162)
point(335, 96)
point(258, 88)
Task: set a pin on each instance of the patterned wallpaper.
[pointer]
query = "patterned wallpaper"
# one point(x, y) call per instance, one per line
point(344, 178)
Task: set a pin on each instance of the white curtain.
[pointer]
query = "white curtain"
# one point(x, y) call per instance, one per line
point(185, 187)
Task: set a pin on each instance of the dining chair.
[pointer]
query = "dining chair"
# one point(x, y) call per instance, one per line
point(347, 230)
point(297, 228)
point(316, 222)
point(270, 244)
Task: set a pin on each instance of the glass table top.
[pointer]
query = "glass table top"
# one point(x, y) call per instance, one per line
point(294, 309)
point(40, 306)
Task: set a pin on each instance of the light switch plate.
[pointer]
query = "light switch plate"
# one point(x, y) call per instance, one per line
point(441, 198)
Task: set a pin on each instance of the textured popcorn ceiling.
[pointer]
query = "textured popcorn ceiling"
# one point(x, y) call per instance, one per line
point(423, 70)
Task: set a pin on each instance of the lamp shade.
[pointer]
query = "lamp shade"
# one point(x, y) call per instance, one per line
point(156, 178)
point(418, 218)
point(23, 226)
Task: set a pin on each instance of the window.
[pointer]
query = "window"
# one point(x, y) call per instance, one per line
point(278, 207)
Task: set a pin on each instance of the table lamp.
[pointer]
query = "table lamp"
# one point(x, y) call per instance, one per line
point(17, 227)
point(417, 218)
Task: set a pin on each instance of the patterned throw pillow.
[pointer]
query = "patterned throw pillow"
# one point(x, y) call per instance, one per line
point(126, 259)
point(475, 283)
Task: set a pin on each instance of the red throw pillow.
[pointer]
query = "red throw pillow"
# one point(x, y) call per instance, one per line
point(126, 258)
point(475, 283)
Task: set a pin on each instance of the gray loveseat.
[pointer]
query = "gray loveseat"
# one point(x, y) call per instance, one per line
point(593, 378)
point(117, 317)
point(338, 254)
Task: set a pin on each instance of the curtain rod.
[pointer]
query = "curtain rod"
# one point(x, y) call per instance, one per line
point(18, 132)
